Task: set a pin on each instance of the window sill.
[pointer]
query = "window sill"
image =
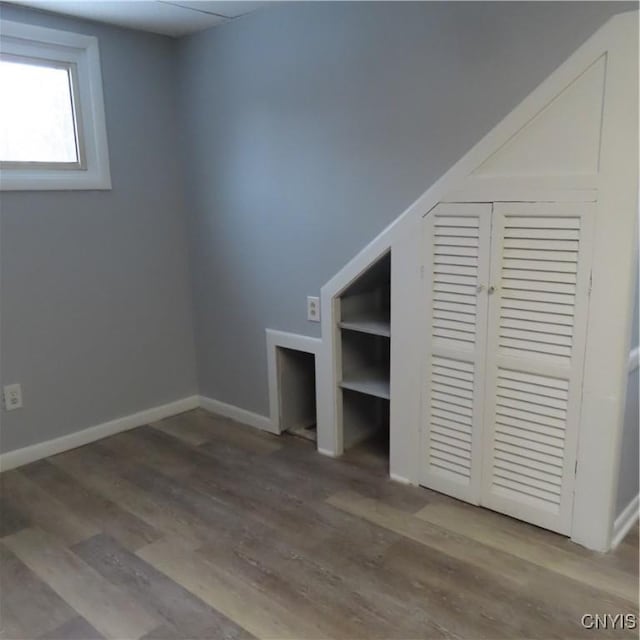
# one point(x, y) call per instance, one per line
point(54, 180)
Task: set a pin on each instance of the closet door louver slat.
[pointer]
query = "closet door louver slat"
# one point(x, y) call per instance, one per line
point(537, 330)
point(456, 250)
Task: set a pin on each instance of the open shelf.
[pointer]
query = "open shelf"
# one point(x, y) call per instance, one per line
point(363, 417)
point(377, 322)
point(364, 323)
point(373, 381)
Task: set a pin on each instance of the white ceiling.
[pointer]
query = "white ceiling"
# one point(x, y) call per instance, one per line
point(167, 17)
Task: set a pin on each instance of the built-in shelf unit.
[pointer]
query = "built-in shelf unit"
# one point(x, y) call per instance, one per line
point(364, 324)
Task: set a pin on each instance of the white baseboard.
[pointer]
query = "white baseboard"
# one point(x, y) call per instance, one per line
point(19, 457)
point(625, 521)
point(401, 479)
point(326, 452)
point(238, 414)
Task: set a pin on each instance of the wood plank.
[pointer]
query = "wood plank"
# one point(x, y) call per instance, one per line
point(331, 475)
point(296, 543)
point(206, 512)
point(472, 602)
point(305, 588)
point(105, 515)
point(92, 467)
point(297, 463)
point(490, 607)
point(235, 598)
point(298, 530)
point(29, 606)
point(179, 458)
point(306, 531)
point(259, 489)
point(43, 510)
point(626, 555)
point(109, 609)
point(227, 431)
point(226, 464)
point(163, 632)
point(11, 519)
point(478, 525)
point(332, 580)
point(133, 450)
point(289, 470)
point(200, 426)
point(520, 573)
point(177, 607)
point(190, 429)
point(229, 501)
point(117, 472)
point(75, 629)
point(212, 509)
point(222, 455)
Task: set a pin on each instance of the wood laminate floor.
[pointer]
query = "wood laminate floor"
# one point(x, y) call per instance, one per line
point(198, 527)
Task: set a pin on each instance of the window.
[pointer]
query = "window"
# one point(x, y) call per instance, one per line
point(52, 127)
point(37, 114)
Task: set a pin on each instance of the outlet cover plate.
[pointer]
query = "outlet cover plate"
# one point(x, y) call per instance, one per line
point(313, 309)
point(12, 397)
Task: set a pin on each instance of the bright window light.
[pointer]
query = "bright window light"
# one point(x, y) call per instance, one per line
point(53, 133)
point(37, 122)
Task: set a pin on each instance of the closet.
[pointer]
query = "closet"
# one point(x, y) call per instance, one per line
point(506, 288)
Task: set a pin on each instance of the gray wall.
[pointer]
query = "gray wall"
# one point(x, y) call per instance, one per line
point(629, 471)
point(96, 305)
point(311, 126)
point(635, 321)
point(628, 483)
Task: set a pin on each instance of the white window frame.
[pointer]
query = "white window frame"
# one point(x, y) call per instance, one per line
point(80, 54)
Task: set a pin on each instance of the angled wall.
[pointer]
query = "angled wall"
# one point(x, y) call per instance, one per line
point(311, 126)
point(535, 155)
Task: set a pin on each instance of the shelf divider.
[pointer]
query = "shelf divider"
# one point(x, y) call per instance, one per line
point(371, 381)
point(377, 323)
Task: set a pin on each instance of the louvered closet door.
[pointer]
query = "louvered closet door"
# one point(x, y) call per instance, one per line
point(537, 329)
point(456, 270)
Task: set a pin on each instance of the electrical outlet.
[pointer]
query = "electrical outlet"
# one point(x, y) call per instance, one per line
point(12, 397)
point(313, 309)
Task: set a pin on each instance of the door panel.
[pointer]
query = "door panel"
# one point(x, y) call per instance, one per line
point(456, 270)
point(540, 268)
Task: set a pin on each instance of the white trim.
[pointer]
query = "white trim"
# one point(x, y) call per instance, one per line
point(625, 521)
point(634, 359)
point(276, 339)
point(575, 184)
point(401, 479)
point(610, 307)
point(509, 193)
point(324, 452)
point(82, 51)
point(19, 457)
point(236, 413)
